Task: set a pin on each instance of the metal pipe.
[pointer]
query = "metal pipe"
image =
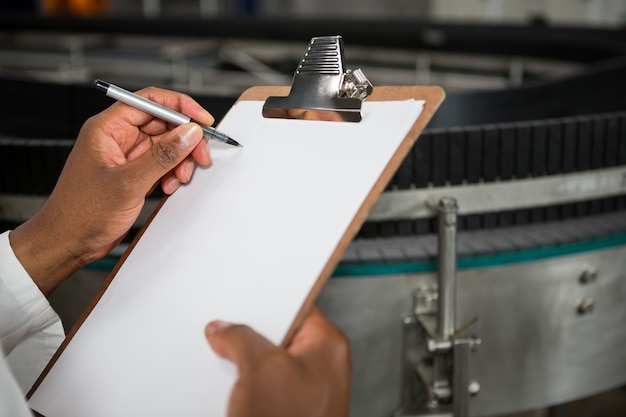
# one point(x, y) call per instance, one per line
point(460, 379)
point(448, 210)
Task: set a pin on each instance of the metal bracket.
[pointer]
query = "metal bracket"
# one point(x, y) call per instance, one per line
point(440, 361)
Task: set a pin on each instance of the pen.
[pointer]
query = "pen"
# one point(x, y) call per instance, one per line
point(159, 111)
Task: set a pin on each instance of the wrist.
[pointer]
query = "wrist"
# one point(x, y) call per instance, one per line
point(48, 256)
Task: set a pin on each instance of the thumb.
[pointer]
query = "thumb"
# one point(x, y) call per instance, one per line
point(236, 343)
point(167, 153)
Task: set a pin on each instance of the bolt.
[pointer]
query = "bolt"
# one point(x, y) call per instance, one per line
point(425, 301)
point(436, 346)
point(589, 275)
point(441, 390)
point(476, 342)
point(473, 388)
point(585, 306)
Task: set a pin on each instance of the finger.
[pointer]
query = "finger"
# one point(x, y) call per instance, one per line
point(317, 332)
point(179, 102)
point(236, 343)
point(166, 154)
point(184, 170)
point(176, 101)
point(313, 327)
point(141, 145)
point(202, 154)
point(169, 183)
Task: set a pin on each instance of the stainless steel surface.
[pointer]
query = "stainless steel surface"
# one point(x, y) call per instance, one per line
point(536, 350)
point(503, 195)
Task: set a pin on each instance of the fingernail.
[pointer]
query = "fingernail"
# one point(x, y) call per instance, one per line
point(217, 325)
point(190, 134)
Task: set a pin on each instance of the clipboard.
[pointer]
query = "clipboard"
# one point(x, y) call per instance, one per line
point(432, 97)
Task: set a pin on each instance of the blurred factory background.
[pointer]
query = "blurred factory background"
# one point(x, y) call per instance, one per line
point(577, 12)
point(527, 154)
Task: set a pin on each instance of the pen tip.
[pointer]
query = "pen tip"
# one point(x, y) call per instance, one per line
point(233, 142)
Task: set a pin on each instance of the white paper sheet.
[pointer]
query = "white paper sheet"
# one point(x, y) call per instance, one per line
point(244, 242)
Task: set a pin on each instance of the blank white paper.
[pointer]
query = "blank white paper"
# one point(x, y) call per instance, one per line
point(244, 241)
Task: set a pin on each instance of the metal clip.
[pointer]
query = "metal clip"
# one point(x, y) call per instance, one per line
point(355, 85)
point(322, 89)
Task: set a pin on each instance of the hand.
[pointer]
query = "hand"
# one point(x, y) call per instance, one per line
point(311, 378)
point(120, 155)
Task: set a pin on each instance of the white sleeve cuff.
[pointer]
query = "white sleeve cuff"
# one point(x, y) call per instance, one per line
point(24, 310)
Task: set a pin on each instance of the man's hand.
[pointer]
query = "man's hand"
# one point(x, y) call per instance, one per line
point(119, 156)
point(312, 378)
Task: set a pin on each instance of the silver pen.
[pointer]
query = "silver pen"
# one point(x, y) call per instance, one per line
point(159, 111)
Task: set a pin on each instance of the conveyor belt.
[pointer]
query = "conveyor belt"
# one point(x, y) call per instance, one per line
point(31, 166)
point(474, 155)
point(506, 152)
point(482, 248)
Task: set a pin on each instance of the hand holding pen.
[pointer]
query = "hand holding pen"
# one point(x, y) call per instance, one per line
point(119, 156)
point(160, 111)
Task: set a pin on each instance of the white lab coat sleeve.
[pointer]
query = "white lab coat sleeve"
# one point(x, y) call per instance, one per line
point(12, 401)
point(30, 330)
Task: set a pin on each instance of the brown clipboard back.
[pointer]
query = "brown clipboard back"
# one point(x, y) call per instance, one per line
point(433, 96)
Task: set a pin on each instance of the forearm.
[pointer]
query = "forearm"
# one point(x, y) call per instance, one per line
point(46, 254)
